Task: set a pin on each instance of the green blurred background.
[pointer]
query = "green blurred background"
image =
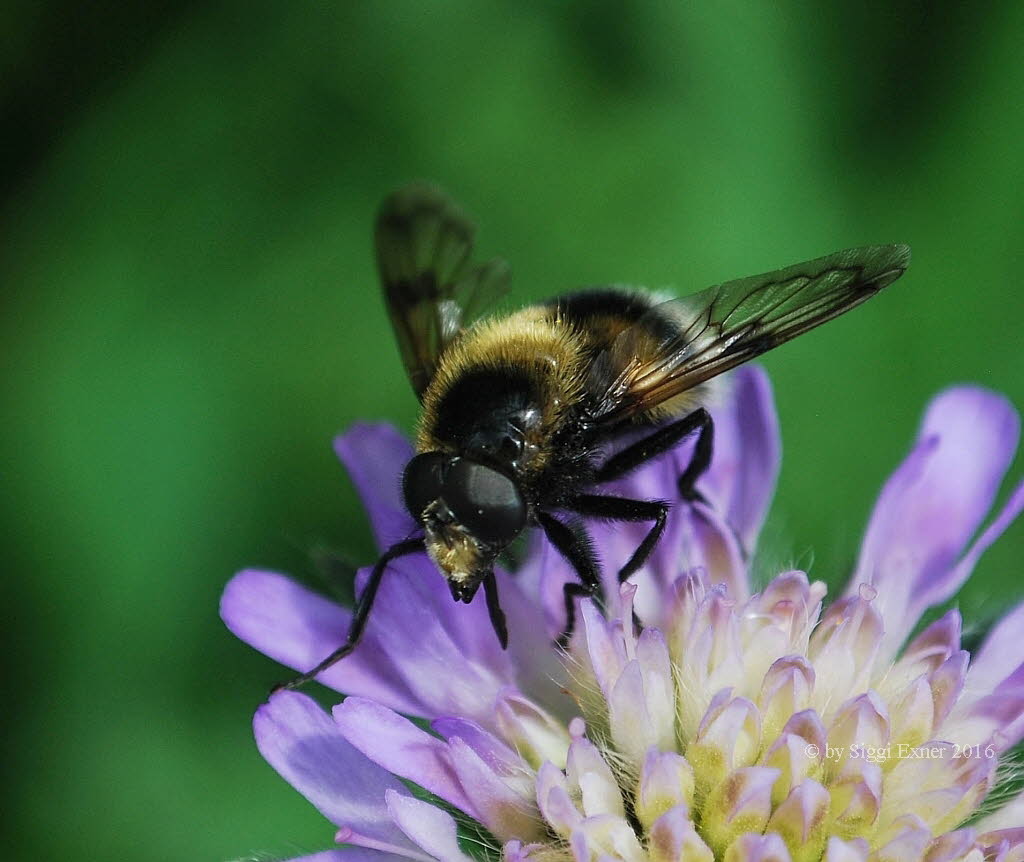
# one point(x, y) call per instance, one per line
point(191, 312)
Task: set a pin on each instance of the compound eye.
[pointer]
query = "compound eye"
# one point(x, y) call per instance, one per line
point(487, 503)
point(423, 480)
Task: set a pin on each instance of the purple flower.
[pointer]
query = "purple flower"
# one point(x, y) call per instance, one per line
point(734, 726)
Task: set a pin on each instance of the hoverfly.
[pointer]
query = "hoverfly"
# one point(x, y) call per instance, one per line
point(518, 411)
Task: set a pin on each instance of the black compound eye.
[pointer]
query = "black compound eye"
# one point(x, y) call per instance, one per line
point(487, 503)
point(422, 481)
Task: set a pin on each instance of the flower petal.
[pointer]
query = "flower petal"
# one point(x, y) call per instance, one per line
point(499, 757)
point(741, 480)
point(536, 735)
point(839, 851)
point(506, 807)
point(758, 848)
point(417, 630)
point(674, 838)
point(1009, 816)
point(1000, 655)
point(933, 504)
point(374, 455)
point(397, 745)
point(1007, 515)
point(952, 847)
point(431, 828)
point(351, 854)
point(301, 742)
point(298, 628)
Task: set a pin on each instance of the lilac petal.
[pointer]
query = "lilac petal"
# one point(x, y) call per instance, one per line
point(506, 810)
point(400, 747)
point(934, 502)
point(415, 635)
point(375, 454)
point(841, 851)
point(719, 555)
point(431, 828)
point(516, 851)
point(910, 836)
point(427, 638)
point(697, 540)
point(673, 836)
point(935, 644)
point(499, 757)
point(543, 573)
point(952, 846)
point(947, 683)
point(535, 733)
point(301, 742)
point(997, 718)
point(1002, 841)
point(298, 628)
point(353, 854)
point(538, 667)
point(1007, 515)
point(1000, 655)
point(741, 480)
point(758, 848)
point(554, 801)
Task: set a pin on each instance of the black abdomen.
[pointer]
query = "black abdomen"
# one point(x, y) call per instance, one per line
point(602, 313)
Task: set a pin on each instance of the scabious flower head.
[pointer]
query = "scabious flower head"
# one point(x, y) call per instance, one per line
point(735, 725)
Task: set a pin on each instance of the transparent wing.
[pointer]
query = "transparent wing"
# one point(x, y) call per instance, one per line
point(432, 290)
point(684, 342)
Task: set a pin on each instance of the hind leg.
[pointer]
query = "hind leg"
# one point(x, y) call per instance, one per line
point(662, 441)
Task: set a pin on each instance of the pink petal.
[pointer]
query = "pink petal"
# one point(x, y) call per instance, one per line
point(303, 744)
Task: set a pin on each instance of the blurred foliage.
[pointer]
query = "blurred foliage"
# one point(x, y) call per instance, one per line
point(191, 311)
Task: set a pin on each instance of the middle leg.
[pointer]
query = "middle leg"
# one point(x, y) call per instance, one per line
point(577, 551)
point(623, 509)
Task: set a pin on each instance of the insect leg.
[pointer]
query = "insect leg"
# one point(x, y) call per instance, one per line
point(361, 615)
point(701, 459)
point(579, 555)
point(660, 442)
point(622, 509)
point(494, 610)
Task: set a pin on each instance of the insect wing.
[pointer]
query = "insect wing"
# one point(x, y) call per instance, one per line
point(432, 290)
point(684, 342)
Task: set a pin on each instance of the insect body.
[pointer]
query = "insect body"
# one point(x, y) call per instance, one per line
point(518, 411)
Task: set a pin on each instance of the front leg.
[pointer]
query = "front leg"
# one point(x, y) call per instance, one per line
point(361, 613)
point(494, 610)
